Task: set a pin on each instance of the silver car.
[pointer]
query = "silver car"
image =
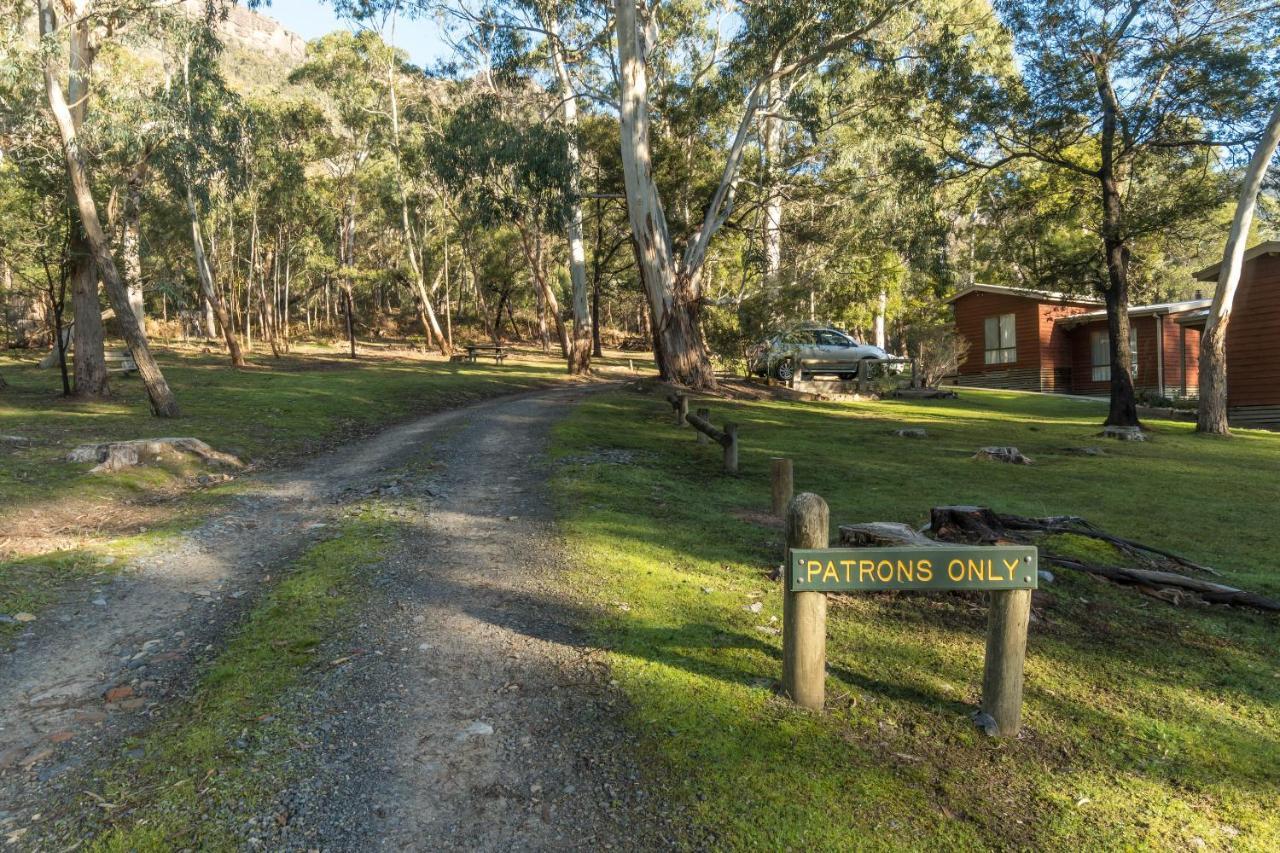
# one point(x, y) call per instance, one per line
point(812, 350)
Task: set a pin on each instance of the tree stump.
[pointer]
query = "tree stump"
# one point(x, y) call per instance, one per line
point(976, 525)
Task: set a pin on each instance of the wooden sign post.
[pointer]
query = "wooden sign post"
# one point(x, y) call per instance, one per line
point(804, 612)
point(1007, 572)
point(783, 483)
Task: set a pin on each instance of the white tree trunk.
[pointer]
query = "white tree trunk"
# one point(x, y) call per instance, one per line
point(881, 307)
point(682, 355)
point(431, 325)
point(580, 352)
point(1212, 417)
point(163, 403)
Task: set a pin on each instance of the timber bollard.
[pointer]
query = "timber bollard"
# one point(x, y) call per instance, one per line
point(730, 448)
point(679, 407)
point(1001, 708)
point(804, 614)
point(705, 414)
point(783, 482)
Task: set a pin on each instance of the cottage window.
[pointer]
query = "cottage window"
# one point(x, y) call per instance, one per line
point(1001, 340)
point(1100, 345)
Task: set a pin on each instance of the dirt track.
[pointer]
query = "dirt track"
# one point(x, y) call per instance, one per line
point(474, 718)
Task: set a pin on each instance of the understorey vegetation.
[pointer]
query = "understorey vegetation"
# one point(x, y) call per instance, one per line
point(1146, 722)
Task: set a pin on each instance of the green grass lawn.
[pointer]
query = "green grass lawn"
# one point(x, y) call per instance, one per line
point(275, 412)
point(1145, 725)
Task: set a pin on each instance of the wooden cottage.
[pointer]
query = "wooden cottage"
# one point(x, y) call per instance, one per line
point(1039, 341)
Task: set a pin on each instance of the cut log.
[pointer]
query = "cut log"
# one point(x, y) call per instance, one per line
point(117, 455)
point(706, 428)
point(882, 534)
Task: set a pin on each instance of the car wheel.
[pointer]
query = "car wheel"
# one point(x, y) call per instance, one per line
point(784, 370)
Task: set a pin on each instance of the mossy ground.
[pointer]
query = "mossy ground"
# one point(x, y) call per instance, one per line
point(1145, 725)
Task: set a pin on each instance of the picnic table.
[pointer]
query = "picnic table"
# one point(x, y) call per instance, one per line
point(498, 351)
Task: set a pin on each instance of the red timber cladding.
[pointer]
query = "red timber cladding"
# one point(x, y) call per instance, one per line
point(1041, 345)
point(1179, 363)
point(1253, 338)
point(1082, 357)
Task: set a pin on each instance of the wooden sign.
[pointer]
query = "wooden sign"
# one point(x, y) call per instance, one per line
point(945, 567)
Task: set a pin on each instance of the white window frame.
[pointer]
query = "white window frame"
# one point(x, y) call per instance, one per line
point(1000, 339)
point(1100, 341)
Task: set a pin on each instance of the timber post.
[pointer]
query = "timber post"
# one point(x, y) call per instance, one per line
point(705, 414)
point(783, 483)
point(915, 373)
point(1009, 613)
point(730, 448)
point(679, 407)
point(804, 614)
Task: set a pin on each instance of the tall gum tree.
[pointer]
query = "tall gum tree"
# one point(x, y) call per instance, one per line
point(163, 402)
point(1212, 416)
point(775, 42)
point(1107, 90)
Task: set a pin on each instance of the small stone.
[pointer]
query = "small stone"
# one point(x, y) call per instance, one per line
point(36, 757)
point(424, 647)
point(767, 629)
point(24, 617)
point(513, 518)
point(1046, 576)
point(911, 432)
point(61, 736)
point(99, 602)
point(476, 729)
point(117, 694)
point(754, 607)
point(134, 704)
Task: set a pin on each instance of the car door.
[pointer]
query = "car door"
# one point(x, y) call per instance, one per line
point(830, 348)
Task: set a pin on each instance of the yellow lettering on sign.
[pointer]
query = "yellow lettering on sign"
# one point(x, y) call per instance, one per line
point(830, 574)
point(906, 570)
point(848, 569)
point(955, 570)
point(924, 569)
point(814, 568)
point(1009, 566)
point(977, 569)
point(866, 570)
point(884, 571)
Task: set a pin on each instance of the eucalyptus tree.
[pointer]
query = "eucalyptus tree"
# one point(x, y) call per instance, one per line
point(1112, 91)
point(79, 22)
point(770, 43)
point(199, 149)
point(552, 40)
point(506, 166)
point(338, 65)
point(1212, 417)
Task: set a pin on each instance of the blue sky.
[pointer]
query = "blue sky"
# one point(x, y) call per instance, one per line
point(420, 38)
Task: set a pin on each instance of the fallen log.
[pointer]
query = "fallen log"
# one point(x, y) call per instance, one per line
point(1081, 527)
point(1209, 591)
